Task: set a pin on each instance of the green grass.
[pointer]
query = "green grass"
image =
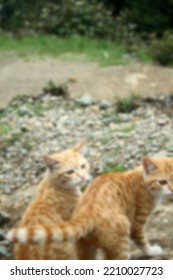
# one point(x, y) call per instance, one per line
point(144, 54)
point(28, 146)
point(128, 129)
point(127, 104)
point(105, 52)
point(113, 167)
point(15, 137)
point(114, 116)
point(4, 129)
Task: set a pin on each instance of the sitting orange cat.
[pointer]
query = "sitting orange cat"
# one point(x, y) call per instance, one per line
point(113, 209)
point(56, 199)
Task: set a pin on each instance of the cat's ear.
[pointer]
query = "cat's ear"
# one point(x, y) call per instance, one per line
point(148, 165)
point(81, 147)
point(50, 162)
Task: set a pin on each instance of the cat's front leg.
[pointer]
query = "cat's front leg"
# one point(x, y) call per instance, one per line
point(139, 237)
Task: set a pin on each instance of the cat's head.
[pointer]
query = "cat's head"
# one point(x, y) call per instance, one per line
point(69, 168)
point(156, 179)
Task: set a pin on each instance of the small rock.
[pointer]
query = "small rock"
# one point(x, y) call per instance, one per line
point(105, 104)
point(5, 188)
point(23, 110)
point(2, 237)
point(4, 218)
point(141, 143)
point(165, 221)
point(85, 100)
point(162, 121)
point(125, 117)
point(3, 251)
point(154, 149)
point(107, 120)
point(95, 108)
point(72, 79)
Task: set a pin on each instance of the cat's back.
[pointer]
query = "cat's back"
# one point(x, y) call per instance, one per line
point(111, 188)
point(114, 179)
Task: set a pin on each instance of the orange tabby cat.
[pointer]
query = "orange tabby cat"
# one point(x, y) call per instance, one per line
point(114, 208)
point(56, 199)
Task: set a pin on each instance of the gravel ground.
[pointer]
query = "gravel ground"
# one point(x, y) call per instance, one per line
point(31, 127)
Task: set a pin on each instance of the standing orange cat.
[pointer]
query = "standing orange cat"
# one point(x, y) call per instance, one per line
point(56, 199)
point(114, 208)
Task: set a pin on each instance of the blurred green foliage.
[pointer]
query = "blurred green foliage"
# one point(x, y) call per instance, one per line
point(162, 50)
point(61, 18)
point(99, 18)
point(128, 22)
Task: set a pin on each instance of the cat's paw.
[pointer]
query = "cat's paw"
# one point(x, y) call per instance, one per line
point(154, 250)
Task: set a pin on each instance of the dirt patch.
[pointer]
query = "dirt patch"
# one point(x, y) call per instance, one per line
point(29, 75)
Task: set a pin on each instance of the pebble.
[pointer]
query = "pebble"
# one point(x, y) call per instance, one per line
point(85, 100)
point(162, 121)
point(2, 237)
point(5, 189)
point(125, 117)
point(23, 110)
point(107, 120)
point(104, 104)
point(4, 218)
point(141, 143)
point(95, 109)
point(3, 251)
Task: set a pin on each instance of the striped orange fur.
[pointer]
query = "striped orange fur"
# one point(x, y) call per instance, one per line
point(114, 208)
point(56, 199)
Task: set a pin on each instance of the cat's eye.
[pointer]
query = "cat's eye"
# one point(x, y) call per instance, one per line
point(69, 172)
point(83, 166)
point(163, 182)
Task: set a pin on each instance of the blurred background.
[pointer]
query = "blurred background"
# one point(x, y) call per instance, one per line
point(76, 69)
point(130, 23)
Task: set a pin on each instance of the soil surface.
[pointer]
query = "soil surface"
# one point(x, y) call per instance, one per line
point(29, 75)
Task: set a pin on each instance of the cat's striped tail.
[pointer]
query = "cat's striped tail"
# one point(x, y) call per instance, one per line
point(68, 230)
